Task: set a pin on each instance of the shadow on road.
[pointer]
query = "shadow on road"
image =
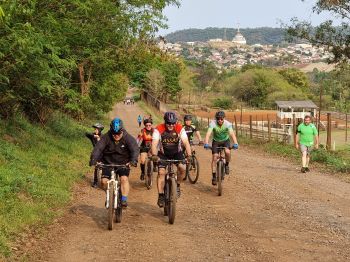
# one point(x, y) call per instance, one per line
point(98, 214)
point(144, 208)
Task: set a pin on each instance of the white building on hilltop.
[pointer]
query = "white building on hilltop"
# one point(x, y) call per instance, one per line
point(239, 39)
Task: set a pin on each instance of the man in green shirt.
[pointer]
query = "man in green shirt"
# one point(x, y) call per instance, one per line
point(306, 140)
point(222, 131)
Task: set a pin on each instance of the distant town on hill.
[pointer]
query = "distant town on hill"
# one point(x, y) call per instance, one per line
point(261, 35)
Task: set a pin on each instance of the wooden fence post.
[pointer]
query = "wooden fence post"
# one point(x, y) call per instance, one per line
point(294, 131)
point(346, 127)
point(269, 128)
point(329, 129)
point(208, 121)
point(236, 127)
point(251, 126)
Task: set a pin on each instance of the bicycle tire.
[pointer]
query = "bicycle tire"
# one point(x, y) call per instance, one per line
point(173, 199)
point(111, 206)
point(193, 170)
point(219, 170)
point(149, 174)
point(167, 197)
point(119, 209)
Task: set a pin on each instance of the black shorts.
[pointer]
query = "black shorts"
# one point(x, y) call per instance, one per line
point(216, 144)
point(176, 156)
point(144, 149)
point(122, 171)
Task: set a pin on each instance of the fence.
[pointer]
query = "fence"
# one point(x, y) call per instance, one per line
point(154, 102)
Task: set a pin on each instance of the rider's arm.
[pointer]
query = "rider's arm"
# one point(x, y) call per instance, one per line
point(133, 148)
point(155, 142)
point(97, 152)
point(139, 138)
point(91, 137)
point(185, 142)
point(207, 136)
point(198, 134)
point(233, 136)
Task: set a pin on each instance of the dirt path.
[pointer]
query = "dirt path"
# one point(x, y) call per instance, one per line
point(269, 212)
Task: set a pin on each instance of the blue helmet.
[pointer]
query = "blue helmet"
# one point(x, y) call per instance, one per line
point(116, 125)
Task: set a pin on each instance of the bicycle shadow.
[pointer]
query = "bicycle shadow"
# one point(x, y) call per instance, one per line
point(204, 188)
point(97, 214)
point(142, 208)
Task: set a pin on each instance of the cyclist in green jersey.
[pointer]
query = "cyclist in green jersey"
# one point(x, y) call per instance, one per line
point(306, 140)
point(222, 131)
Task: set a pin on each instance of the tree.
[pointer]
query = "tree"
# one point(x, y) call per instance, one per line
point(335, 38)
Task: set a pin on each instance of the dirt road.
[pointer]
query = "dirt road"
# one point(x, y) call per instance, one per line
point(268, 212)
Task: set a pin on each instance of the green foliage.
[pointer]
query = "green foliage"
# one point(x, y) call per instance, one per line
point(75, 56)
point(262, 35)
point(223, 102)
point(38, 167)
point(296, 78)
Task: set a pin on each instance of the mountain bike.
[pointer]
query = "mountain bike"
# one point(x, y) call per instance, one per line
point(149, 173)
point(170, 189)
point(192, 168)
point(220, 167)
point(113, 195)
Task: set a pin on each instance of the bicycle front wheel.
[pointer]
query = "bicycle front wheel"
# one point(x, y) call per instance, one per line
point(172, 200)
point(149, 174)
point(193, 170)
point(111, 205)
point(219, 171)
point(119, 209)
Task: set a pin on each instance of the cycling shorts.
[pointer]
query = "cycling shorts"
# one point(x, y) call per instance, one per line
point(176, 156)
point(217, 144)
point(122, 171)
point(145, 149)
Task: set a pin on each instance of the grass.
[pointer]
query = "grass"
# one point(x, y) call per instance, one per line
point(156, 116)
point(38, 167)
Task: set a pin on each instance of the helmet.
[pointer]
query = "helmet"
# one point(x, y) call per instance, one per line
point(187, 117)
point(170, 117)
point(116, 125)
point(220, 114)
point(98, 126)
point(147, 120)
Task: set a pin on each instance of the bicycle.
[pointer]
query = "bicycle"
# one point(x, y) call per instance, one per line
point(220, 167)
point(149, 173)
point(170, 189)
point(192, 168)
point(113, 195)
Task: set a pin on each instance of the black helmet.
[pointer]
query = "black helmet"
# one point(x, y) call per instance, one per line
point(170, 117)
point(187, 117)
point(116, 125)
point(98, 126)
point(220, 114)
point(147, 120)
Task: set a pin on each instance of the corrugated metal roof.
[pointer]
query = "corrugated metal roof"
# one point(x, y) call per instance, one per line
point(296, 104)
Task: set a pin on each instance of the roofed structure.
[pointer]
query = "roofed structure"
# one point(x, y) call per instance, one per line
point(307, 104)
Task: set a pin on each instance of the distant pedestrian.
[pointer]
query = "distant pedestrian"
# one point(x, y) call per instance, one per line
point(306, 140)
point(139, 120)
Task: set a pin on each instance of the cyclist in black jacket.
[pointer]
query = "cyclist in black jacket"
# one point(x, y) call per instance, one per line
point(120, 148)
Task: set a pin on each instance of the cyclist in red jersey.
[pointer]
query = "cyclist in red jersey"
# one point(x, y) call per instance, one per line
point(166, 144)
point(144, 140)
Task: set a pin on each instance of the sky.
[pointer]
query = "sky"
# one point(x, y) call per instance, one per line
point(228, 13)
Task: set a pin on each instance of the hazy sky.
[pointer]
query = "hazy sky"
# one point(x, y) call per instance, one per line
point(227, 13)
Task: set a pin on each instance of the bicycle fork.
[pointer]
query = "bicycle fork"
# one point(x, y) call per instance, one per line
point(109, 184)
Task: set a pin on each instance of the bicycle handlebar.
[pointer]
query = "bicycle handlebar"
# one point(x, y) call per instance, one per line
point(221, 147)
point(110, 165)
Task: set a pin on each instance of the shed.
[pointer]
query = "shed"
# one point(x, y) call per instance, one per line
point(286, 109)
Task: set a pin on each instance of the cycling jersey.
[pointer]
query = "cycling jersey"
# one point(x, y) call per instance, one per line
point(220, 133)
point(190, 130)
point(170, 141)
point(145, 137)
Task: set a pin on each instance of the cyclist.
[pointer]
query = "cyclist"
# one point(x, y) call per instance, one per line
point(167, 137)
point(96, 135)
point(306, 140)
point(144, 140)
point(120, 148)
point(139, 120)
point(191, 130)
point(222, 131)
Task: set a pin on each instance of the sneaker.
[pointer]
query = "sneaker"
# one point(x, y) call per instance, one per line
point(161, 200)
point(184, 178)
point(303, 170)
point(307, 169)
point(154, 168)
point(94, 184)
point(213, 181)
point(178, 191)
point(124, 203)
point(142, 176)
point(227, 169)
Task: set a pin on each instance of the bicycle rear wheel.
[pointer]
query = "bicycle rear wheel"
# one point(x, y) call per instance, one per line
point(219, 171)
point(167, 198)
point(149, 174)
point(111, 205)
point(172, 200)
point(119, 209)
point(193, 170)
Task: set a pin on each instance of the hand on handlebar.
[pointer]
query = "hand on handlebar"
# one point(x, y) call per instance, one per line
point(133, 163)
point(206, 146)
point(201, 143)
point(235, 146)
point(155, 158)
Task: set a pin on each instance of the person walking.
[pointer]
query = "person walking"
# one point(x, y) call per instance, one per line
point(139, 120)
point(306, 141)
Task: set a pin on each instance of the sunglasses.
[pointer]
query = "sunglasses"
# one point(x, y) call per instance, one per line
point(170, 124)
point(220, 118)
point(118, 133)
point(148, 125)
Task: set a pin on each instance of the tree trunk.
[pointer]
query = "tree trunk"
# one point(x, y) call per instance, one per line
point(84, 78)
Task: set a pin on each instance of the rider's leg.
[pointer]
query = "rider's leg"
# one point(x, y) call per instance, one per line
point(160, 185)
point(143, 157)
point(181, 169)
point(124, 180)
point(213, 167)
point(227, 158)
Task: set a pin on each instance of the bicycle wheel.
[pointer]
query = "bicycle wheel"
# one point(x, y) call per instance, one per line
point(173, 198)
point(193, 170)
point(119, 209)
point(149, 174)
point(167, 198)
point(219, 172)
point(111, 206)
